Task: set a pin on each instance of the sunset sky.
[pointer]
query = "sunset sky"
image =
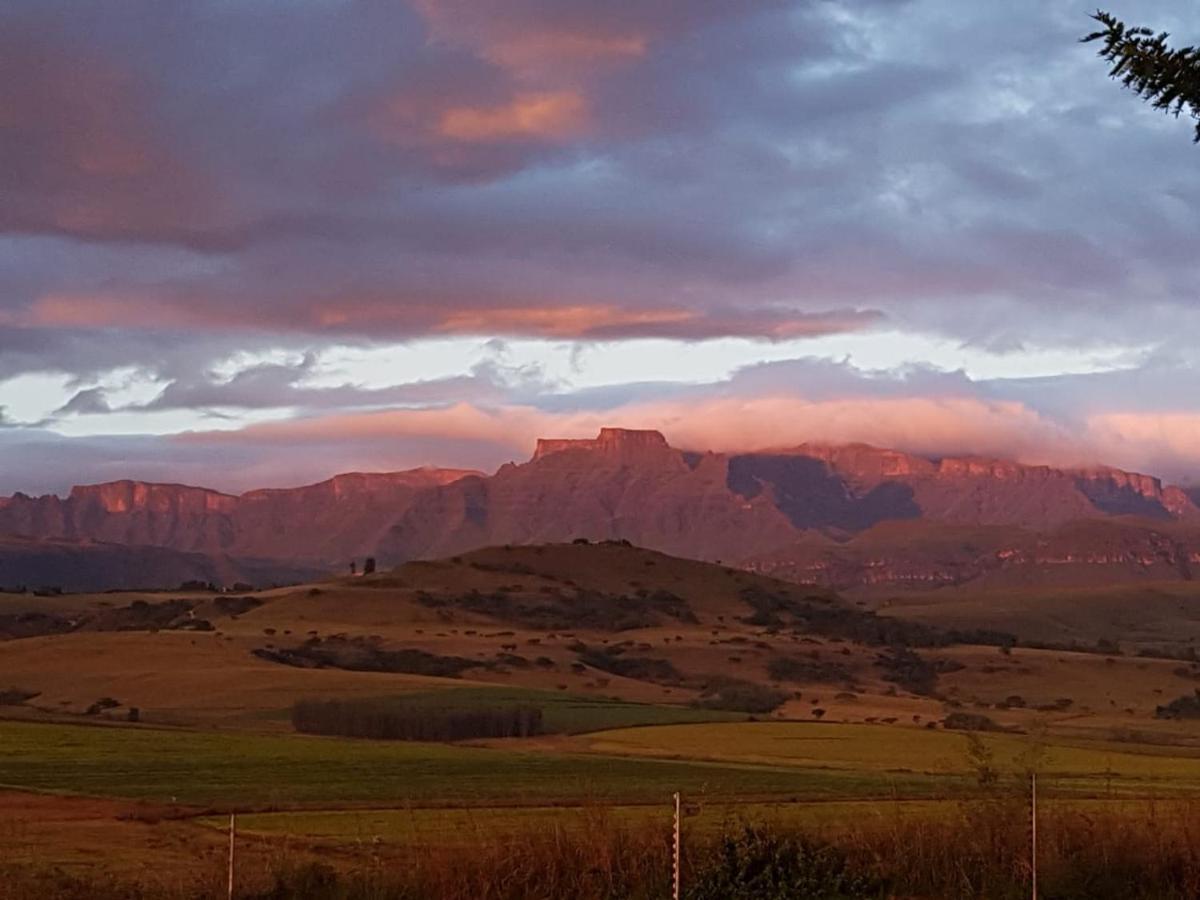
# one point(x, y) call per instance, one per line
point(257, 243)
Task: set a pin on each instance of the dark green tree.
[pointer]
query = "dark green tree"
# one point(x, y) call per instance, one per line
point(1167, 78)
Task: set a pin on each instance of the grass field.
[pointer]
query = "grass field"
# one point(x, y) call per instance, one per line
point(1080, 766)
point(425, 826)
point(231, 770)
point(417, 826)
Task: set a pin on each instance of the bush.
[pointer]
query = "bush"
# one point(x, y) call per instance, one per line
point(1185, 707)
point(640, 667)
point(363, 655)
point(558, 609)
point(757, 864)
point(965, 721)
point(15, 696)
point(736, 695)
point(912, 671)
point(794, 668)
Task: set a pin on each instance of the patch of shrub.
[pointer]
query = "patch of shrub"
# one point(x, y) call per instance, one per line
point(365, 655)
point(104, 703)
point(966, 721)
point(829, 616)
point(558, 609)
point(1101, 648)
point(798, 669)
point(737, 695)
point(641, 668)
point(913, 672)
point(1185, 707)
point(33, 624)
point(513, 660)
point(15, 696)
point(194, 625)
point(197, 585)
point(235, 606)
point(760, 864)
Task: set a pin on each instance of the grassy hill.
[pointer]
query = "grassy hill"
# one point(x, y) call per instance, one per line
point(600, 621)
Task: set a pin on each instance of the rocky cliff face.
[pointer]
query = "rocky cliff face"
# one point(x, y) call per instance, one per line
point(326, 523)
point(805, 512)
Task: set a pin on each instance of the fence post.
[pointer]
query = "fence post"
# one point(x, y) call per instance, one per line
point(232, 833)
point(1033, 851)
point(677, 859)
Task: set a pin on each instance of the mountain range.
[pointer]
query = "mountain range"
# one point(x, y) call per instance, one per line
point(845, 516)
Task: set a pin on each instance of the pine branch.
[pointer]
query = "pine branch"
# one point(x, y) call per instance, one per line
point(1166, 78)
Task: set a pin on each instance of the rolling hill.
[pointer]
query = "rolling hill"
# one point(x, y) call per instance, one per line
point(598, 621)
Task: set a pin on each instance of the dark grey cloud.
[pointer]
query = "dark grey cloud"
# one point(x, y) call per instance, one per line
point(770, 160)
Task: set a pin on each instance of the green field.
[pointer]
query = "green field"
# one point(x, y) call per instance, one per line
point(863, 749)
point(731, 761)
point(248, 771)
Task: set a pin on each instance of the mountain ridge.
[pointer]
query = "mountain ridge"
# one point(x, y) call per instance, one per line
point(624, 484)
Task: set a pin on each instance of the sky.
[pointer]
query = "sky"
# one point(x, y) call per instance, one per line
point(253, 243)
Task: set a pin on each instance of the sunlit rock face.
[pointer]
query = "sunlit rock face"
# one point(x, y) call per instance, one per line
point(830, 514)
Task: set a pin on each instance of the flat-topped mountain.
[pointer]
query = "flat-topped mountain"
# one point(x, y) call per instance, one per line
point(801, 511)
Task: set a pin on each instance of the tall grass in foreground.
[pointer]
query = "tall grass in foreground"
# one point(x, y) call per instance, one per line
point(1134, 850)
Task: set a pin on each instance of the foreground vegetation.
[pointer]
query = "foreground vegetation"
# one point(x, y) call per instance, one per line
point(978, 849)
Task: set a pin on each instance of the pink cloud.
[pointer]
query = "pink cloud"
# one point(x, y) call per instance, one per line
point(83, 154)
point(536, 39)
point(551, 115)
point(403, 314)
point(962, 426)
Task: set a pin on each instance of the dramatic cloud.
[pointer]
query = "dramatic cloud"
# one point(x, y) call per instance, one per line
point(203, 201)
point(762, 407)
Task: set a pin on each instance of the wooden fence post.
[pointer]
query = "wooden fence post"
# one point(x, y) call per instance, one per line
point(677, 858)
point(1033, 851)
point(232, 833)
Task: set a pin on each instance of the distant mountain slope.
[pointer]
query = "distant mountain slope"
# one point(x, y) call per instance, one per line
point(332, 521)
point(74, 566)
point(923, 555)
point(795, 512)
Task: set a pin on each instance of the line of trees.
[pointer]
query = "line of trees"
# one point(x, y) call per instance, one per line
point(395, 720)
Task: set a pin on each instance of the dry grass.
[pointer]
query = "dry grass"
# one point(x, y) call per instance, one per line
point(975, 849)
